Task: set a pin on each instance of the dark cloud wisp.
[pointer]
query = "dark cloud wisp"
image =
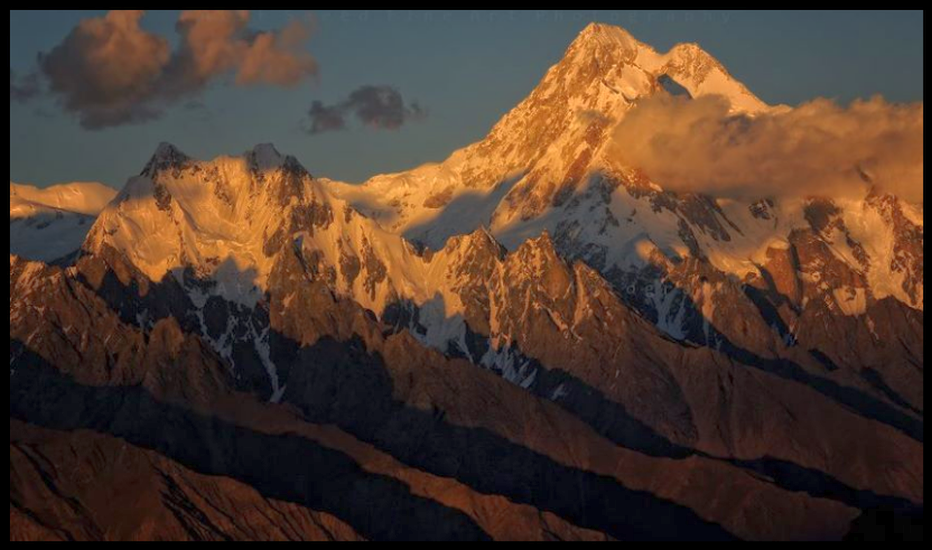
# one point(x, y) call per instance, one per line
point(377, 107)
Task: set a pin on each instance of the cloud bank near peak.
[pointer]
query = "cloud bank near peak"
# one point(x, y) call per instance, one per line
point(819, 148)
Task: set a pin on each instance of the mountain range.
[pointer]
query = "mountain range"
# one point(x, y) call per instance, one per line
point(50, 224)
point(528, 340)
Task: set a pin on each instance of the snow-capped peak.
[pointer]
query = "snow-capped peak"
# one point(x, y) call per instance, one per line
point(609, 37)
point(622, 61)
point(265, 157)
point(166, 157)
point(181, 212)
point(166, 150)
point(542, 152)
point(701, 74)
point(540, 253)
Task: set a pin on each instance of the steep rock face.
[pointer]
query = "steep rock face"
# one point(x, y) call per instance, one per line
point(816, 251)
point(168, 393)
point(158, 393)
point(56, 494)
point(561, 332)
point(80, 335)
point(842, 291)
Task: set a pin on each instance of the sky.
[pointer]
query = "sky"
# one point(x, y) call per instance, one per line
point(448, 76)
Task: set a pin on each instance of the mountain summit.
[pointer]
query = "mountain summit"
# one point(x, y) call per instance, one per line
point(542, 152)
point(614, 48)
point(181, 212)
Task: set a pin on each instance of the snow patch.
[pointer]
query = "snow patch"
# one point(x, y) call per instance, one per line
point(851, 301)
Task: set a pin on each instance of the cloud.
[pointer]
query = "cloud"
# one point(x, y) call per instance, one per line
point(197, 111)
point(216, 42)
point(278, 58)
point(110, 71)
point(326, 119)
point(106, 69)
point(377, 107)
point(817, 148)
point(25, 88)
point(194, 105)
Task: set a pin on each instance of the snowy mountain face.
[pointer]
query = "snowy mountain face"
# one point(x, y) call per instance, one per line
point(248, 231)
point(541, 153)
point(51, 224)
point(547, 166)
point(229, 219)
point(674, 365)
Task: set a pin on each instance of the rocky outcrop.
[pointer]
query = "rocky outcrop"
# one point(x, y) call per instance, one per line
point(167, 391)
point(55, 494)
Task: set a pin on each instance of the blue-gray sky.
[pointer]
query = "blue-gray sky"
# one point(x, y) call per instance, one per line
point(464, 68)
